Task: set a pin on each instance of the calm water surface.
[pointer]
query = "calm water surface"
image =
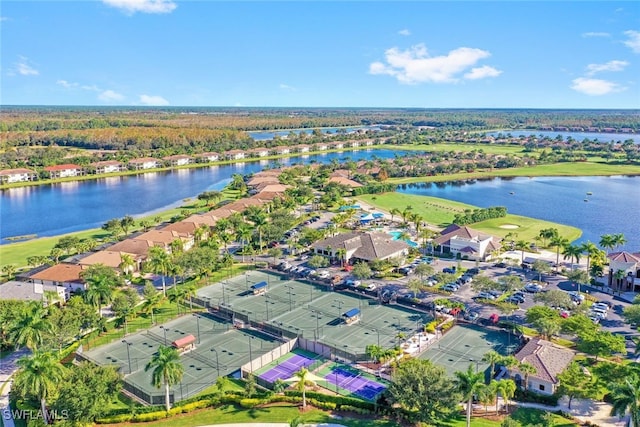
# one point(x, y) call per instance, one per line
point(49, 210)
point(578, 136)
point(613, 206)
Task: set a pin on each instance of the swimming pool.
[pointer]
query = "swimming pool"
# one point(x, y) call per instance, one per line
point(396, 235)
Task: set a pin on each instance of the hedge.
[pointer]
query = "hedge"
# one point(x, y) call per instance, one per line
point(338, 400)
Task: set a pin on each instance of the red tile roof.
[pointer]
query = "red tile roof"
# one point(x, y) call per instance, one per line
point(184, 341)
point(62, 167)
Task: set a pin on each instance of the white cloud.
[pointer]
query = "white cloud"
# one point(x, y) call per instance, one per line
point(404, 32)
point(633, 41)
point(595, 87)
point(482, 72)
point(110, 96)
point(414, 65)
point(596, 34)
point(287, 87)
point(609, 66)
point(65, 84)
point(145, 6)
point(73, 85)
point(153, 100)
point(23, 68)
point(3, 18)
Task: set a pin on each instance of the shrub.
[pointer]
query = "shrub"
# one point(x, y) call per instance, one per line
point(431, 326)
point(249, 403)
point(151, 416)
point(525, 396)
point(114, 419)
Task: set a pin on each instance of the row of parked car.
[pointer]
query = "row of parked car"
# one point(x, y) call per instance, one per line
point(598, 311)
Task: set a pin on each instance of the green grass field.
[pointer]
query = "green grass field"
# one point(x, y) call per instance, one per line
point(440, 212)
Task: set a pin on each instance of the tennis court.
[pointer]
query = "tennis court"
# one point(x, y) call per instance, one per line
point(286, 366)
point(467, 344)
point(298, 308)
point(349, 381)
point(220, 350)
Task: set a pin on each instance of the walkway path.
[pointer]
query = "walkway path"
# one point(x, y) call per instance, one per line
point(7, 368)
point(583, 410)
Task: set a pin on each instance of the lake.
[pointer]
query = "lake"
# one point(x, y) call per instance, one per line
point(612, 207)
point(578, 136)
point(49, 210)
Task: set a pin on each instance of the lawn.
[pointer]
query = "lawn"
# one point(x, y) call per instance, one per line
point(440, 212)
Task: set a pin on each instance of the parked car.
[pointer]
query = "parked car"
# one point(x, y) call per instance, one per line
point(600, 305)
point(471, 316)
point(514, 300)
point(533, 288)
point(485, 295)
point(450, 270)
point(450, 287)
point(372, 287)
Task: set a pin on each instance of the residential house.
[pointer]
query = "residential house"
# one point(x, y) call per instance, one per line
point(258, 152)
point(337, 145)
point(361, 247)
point(66, 275)
point(466, 243)
point(29, 291)
point(281, 150)
point(303, 148)
point(627, 263)
point(260, 180)
point(64, 171)
point(107, 166)
point(164, 238)
point(355, 144)
point(8, 176)
point(144, 163)
point(234, 155)
point(207, 157)
point(548, 359)
point(368, 142)
point(111, 259)
point(188, 227)
point(345, 181)
point(138, 248)
point(321, 146)
point(178, 160)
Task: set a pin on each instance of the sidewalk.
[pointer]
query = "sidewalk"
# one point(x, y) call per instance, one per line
point(583, 410)
point(7, 368)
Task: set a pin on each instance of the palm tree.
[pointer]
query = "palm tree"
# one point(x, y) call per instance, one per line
point(572, 252)
point(487, 394)
point(166, 369)
point(618, 240)
point(522, 245)
point(99, 290)
point(303, 382)
point(393, 212)
point(200, 232)
point(507, 388)
point(127, 263)
point(259, 222)
point(492, 357)
point(625, 397)
point(9, 270)
point(39, 375)
point(243, 234)
point(469, 383)
point(590, 249)
point(189, 291)
point(153, 300)
point(558, 242)
point(30, 326)
point(341, 253)
point(607, 241)
point(159, 262)
point(527, 369)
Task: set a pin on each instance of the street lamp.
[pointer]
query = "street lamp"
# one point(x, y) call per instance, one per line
point(266, 305)
point(128, 353)
point(377, 333)
point(250, 355)
point(224, 300)
point(339, 302)
point(477, 362)
point(217, 361)
point(289, 289)
point(165, 334)
point(197, 325)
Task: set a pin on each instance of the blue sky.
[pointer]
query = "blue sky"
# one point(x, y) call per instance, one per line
point(429, 54)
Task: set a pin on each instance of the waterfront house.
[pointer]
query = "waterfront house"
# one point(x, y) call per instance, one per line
point(188, 227)
point(177, 160)
point(64, 171)
point(164, 238)
point(624, 271)
point(321, 146)
point(368, 142)
point(281, 150)
point(144, 163)
point(107, 166)
point(8, 176)
point(345, 181)
point(234, 155)
point(466, 243)
point(64, 274)
point(362, 247)
point(355, 144)
point(138, 248)
point(207, 157)
point(259, 180)
point(29, 291)
point(337, 145)
point(258, 152)
point(548, 358)
point(303, 148)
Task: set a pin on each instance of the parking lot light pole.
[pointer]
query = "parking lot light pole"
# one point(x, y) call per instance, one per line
point(217, 361)
point(197, 325)
point(165, 334)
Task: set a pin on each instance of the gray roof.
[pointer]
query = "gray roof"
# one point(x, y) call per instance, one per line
point(548, 358)
point(25, 291)
point(368, 246)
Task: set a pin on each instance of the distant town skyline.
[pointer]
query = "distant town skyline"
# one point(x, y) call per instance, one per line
point(418, 54)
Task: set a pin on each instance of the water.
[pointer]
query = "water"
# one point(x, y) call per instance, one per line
point(268, 135)
point(50, 210)
point(396, 235)
point(578, 136)
point(613, 207)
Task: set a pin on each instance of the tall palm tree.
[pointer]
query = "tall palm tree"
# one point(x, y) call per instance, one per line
point(341, 253)
point(492, 357)
point(469, 383)
point(99, 290)
point(589, 249)
point(506, 388)
point(558, 242)
point(243, 234)
point(522, 245)
point(572, 252)
point(619, 240)
point(127, 263)
point(159, 262)
point(30, 326)
point(201, 232)
point(527, 369)
point(39, 375)
point(625, 397)
point(301, 385)
point(607, 241)
point(393, 212)
point(166, 369)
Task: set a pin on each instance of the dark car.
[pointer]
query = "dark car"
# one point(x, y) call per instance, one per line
point(450, 270)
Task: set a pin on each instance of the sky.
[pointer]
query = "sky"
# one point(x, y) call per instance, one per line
point(422, 54)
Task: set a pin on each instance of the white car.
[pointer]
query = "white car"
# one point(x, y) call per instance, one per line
point(601, 305)
point(486, 295)
point(598, 313)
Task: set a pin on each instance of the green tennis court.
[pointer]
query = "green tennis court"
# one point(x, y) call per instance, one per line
point(467, 344)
